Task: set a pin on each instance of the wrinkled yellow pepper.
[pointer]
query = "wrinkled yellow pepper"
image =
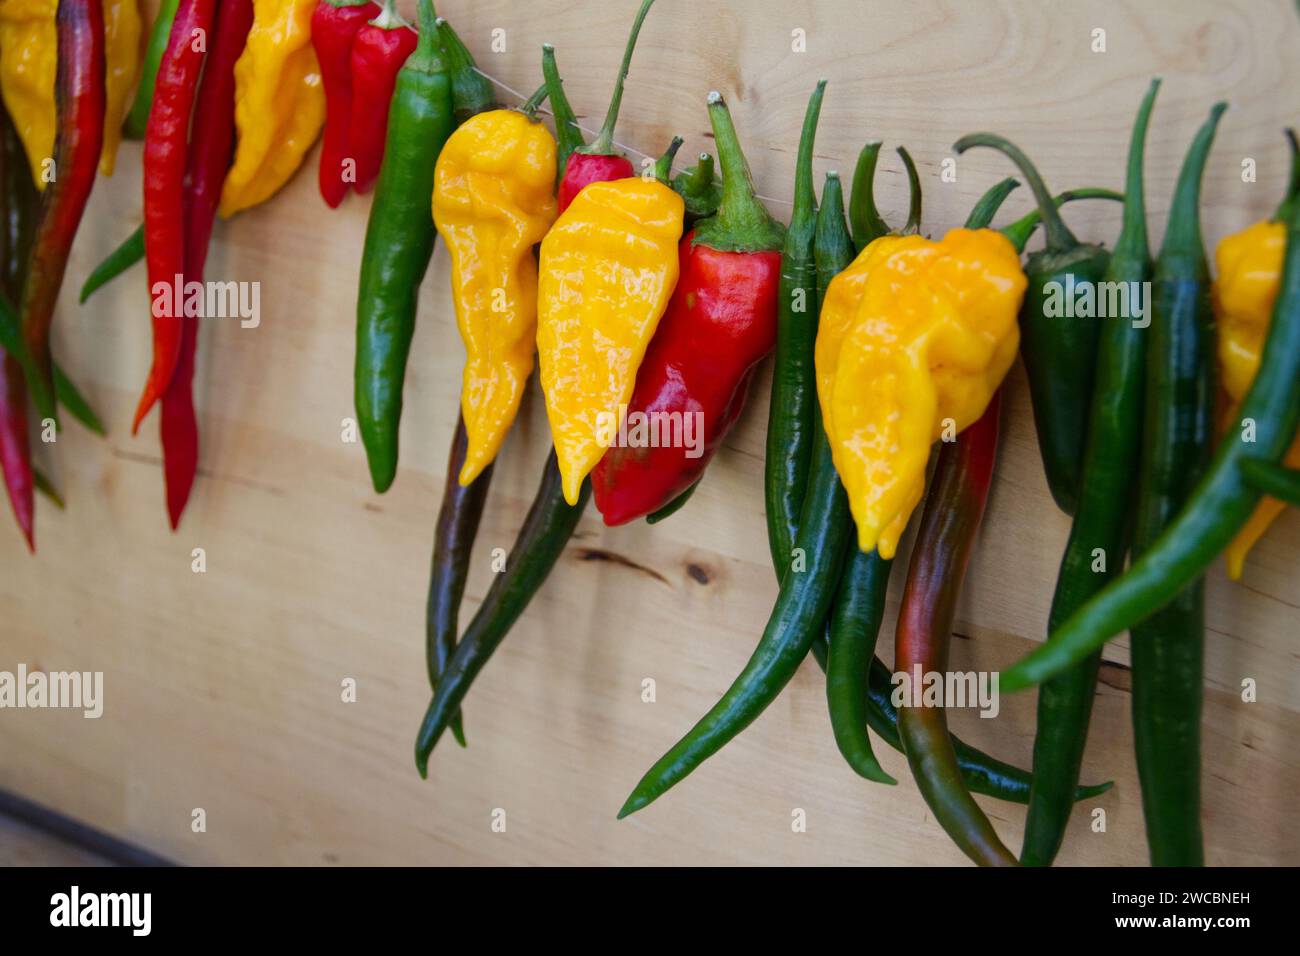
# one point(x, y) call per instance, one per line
point(608, 270)
point(279, 103)
point(493, 200)
point(914, 339)
point(1249, 267)
point(29, 51)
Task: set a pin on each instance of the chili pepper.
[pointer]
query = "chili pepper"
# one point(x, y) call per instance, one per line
point(115, 263)
point(793, 404)
point(719, 325)
point(15, 450)
point(1283, 483)
point(492, 201)
point(949, 525)
point(608, 267)
point(399, 243)
point(17, 202)
point(137, 118)
point(378, 52)
point(65, 392)
point(864, 218)
point(1213, 513)
point(1100, 523)
point(1249, 272)
point(462, 506)
point(165, 151)
point(914, 338)
point(598, 162)
point(122, 32)
point(1060, 353)
point(279, 103)
point(80, 97)
point(546, 530)
point(46, 487)
point(207, 161)
point(334, 26)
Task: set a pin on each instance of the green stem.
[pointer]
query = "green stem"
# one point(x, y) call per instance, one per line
point(1059, 237)
point(389, 18)
point(664, 165)
point(603, 144)
point(982, 213)
point(743, 223)
point(427, 57)
point(1183, 240)
point(805, 196)
point(1133, 244)
point(471, 91)
point(913, 224)
point(566, 123)
point(864, 218)
point(1293, 187)
point(1020, 230)
point(531, 104)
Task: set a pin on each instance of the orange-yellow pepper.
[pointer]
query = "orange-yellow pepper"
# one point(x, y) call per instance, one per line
point(608, 269)
point(1249, 265)
point(279, 103)
point(29, 58)
point(493, 200)
point(914, 339)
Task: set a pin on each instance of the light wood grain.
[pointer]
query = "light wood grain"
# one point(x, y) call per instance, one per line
point(223, 688)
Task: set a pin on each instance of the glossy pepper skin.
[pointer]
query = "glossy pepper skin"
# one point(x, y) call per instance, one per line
point(28, 47)
point(380, 48)
point(1215, 511)
point(165, 151)
point(608, 268)
point(1249, 268)
point(598, 163)
point(1100, 525)
point(493, 200)
point(720, 323)
point(944, 541)
point(1059, 352)
point(80, 99)
point(915, 337)
point(207, 161)
point(398, 245)
point(334, 26)
point(137, 117)
point(279, 103)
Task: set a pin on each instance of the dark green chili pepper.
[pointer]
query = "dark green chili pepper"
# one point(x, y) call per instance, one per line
point(398, 245)
point(541, 541)
point(670, 509)
point(1280, 482)
point(1059, 352)
point(115, 263)
point(793, 407)
point(1100, 524)
point(138, 117)
point(471, 91)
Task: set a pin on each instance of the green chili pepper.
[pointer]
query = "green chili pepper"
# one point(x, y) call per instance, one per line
point(1100, 524)
point(1059, 352)
point(115, 263)
point(793, 407)
point(43, 484)
point(670, 509)
point(471, 91)
point(65, 392)
point(1276, 480)
point(398, 245)
point(541, 541)
point(138, 117)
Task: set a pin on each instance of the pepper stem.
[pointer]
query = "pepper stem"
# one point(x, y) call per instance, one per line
point(471, 91)
point(913, 224)
point(1283, 213)
point(531, 104)
point(982, 213)
point(742, 223)
point(664, 165)
point(603, 144)
point(566, 124)
point(1059, 237)
point(388, 18)
point(1183, 233)
point(427, 57)
point(864, 217)
point(701, 177)
point(1132, 242)
point(805, 196)
point(1019, 231)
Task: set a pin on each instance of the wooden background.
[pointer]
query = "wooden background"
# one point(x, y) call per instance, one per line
point(223, 688)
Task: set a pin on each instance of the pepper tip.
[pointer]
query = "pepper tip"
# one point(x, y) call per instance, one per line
point(715, 99)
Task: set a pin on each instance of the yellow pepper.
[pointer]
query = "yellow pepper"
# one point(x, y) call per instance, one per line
point(29, 57)
point(914, 339)
point(279, 103)
point(493, 200)
point(608, 270)
point(1249, 267)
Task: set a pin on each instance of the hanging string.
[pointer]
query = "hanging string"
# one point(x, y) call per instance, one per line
point(523, 98)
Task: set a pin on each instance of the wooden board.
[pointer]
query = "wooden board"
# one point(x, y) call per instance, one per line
point(223, 688)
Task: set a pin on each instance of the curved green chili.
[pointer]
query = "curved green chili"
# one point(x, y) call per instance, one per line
point(1276, 480)
point(1100, 524)
point(138, 117)
point(115, 263)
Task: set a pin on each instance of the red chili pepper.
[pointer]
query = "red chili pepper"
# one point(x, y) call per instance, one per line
point(79, 136)
point(207, 162)
point(334, 25)
point(959, 491)
point(165, 150)
point(15, 452)
point(598, 163)
point(720, 324)
point(378, 52)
